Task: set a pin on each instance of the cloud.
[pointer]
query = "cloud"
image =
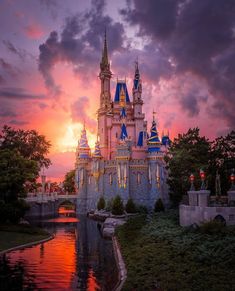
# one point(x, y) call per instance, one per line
point(197, 37)
point(34, 31)
point(19, 52)
point(18, 93)
point(79, 44)
point(18, 122)
point(6, 111)
point(79, 113)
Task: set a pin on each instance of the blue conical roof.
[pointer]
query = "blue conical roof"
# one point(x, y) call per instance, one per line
point(154, 143)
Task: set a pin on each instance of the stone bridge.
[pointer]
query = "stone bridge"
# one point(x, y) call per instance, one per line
point(47, 204)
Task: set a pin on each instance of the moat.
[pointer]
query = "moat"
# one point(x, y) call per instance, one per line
point(78, 258)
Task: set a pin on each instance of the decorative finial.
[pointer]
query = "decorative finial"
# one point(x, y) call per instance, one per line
point(154, 113)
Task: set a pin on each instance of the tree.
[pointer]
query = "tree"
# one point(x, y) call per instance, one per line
point(101, 203)
point(188, 154)
point(130, 206)
point(14, 172)
point(117, 207)
point(222, 160)
point(69, 181)
point(28, 143)
point(159, 206)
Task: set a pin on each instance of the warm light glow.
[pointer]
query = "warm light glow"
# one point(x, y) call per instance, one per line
point(69, 142)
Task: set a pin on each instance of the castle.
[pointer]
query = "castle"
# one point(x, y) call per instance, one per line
point(127, 160)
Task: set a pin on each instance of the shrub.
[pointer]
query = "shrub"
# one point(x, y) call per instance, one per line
point(130, 206)
point(159, 206)
point(117, 207)
point(109, 205)
point(12, 212)
point(212, 227)
point(101, 203)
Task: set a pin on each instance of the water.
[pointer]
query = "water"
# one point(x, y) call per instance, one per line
point(78, 258)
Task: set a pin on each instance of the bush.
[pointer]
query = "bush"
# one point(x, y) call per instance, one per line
point(212, 227)
point(141, 209)
point(109, 205)
point(159, 206)
point(130, 206)
point(117, 207)
point(101, 203)
point(12, 212)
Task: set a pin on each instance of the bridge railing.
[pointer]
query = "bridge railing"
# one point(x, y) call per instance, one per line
point(46, 197)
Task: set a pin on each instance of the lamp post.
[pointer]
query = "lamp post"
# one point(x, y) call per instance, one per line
point(192, 178)
point(232, 179)
point(202, 176)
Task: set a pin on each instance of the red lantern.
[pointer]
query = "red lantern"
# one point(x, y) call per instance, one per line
point(202, 175)
point(232, 177)
point(191, 177)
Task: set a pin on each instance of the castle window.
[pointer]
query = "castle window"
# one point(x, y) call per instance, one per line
point(138, 178)
point(116, 135)
point(89, 179)
point(110, 179)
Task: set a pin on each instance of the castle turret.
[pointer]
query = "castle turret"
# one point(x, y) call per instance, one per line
point(137, 91)
point(105, 76)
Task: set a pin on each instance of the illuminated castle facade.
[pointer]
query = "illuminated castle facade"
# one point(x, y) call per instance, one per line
point(127, 160)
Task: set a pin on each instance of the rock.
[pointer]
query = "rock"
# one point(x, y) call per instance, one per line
point(108, 232)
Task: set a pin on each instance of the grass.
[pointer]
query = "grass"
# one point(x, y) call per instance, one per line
point(16, 235)
point(160, 255)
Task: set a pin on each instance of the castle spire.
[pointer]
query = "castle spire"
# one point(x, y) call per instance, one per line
point(105, 60)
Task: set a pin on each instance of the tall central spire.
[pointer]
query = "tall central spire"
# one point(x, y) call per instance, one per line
point(105, 60)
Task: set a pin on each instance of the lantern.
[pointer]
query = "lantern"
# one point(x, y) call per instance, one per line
point(191, 178)
point(232, 179)
point(202, 176)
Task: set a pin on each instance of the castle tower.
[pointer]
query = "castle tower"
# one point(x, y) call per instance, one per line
point(82, 163)
point(140, 133)
point(104, 112)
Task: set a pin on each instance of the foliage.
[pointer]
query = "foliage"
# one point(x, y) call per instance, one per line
point(141, 209)
point(28, 143)
point(190, 152)
point(223, 160)
point(12, 212)
point(187, 154)
point(130, 206)
point(159, 206)
point(69, 181)
point(212, 227)
point(117, 207)
point(14, 172)
point(109, 205)
point(101, 203)
point(164, 256)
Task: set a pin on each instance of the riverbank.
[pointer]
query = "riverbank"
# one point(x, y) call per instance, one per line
point(160, 255)
point(16, 236)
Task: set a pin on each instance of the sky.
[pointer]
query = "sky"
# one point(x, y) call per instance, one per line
point(49, 64)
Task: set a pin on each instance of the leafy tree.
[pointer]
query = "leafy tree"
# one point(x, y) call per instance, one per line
point(14, 172)
point(159, 206)
point(117, 207)
point(130, 206)
point(222, 160)
point(28, 143)
point(101, 203)
point(69, 181)
point(188, 154)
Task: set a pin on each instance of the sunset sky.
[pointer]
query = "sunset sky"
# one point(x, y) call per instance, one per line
point(49, 64)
